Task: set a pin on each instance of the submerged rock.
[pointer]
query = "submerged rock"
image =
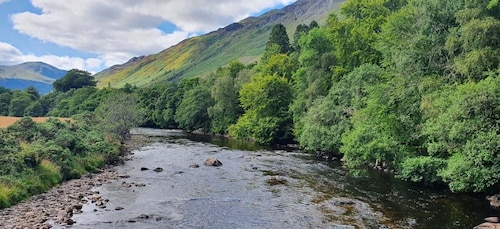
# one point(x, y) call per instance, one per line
point(213, 162)
point(276, 180)
point(194, 166)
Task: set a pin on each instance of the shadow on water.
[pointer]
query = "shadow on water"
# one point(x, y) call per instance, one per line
point(406, 204)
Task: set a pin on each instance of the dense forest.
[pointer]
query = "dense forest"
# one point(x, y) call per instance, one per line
point(411, 87)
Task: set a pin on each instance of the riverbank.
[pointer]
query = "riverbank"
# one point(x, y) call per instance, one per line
point(57, 206)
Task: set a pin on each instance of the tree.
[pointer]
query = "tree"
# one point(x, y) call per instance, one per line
point(329, 118)
point(35, 95)
point(74, 79)
point(119, 113)
point(5, 97)
point(278, 42)
point(265, 101)
point(192, 113)
point(463, 128)
point(226, 108)
point(19, 102)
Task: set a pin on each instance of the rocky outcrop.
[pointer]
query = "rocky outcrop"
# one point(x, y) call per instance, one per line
point(213, 162)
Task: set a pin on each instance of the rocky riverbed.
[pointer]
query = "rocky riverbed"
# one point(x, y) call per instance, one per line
point(57, 206)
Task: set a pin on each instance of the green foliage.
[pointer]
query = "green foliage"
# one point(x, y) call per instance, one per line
point(5, 97)
point(74, 79)
point(477, 166)
point(19, 102)
point(278, 42)
point(329, 118)
point(226, 108)
point(265, 101)
point(36, 157)
point(422, 169)
point(119, 113)
point(192, 113)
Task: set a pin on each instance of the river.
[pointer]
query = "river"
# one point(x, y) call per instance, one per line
point(243, 193)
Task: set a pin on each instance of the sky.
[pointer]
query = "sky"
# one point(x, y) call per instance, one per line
point(93, 35)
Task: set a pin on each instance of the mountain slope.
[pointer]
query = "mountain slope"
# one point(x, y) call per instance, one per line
point(37, 74)
point(201, 55)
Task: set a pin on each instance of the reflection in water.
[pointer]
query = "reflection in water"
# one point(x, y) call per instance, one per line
point(316, 194)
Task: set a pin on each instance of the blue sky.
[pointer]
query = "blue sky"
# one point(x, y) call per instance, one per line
point(93, 34)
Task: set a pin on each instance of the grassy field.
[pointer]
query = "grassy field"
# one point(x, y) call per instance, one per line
point(6, 121)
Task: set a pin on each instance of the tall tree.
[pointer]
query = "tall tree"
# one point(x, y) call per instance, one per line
point(74, 79)
point(278, 43)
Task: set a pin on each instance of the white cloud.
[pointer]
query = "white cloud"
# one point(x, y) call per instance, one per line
point(3, 1)
point(10, 55)
point(119, 30)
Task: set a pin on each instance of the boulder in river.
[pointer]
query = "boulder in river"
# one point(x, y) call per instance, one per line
point(144, 168)
point(213, 162)
point(158, 169)
point(194, 166)
point(494, 200)
point(492, 220)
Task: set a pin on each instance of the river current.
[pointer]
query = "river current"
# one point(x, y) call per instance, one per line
point(259, 187)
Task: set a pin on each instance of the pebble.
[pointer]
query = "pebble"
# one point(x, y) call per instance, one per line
point(58, 204)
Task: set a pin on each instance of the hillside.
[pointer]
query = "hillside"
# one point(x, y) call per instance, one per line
point(197, 56)
point(37, 74)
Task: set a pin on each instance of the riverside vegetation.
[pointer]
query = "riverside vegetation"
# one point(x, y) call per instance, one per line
point(407, 86)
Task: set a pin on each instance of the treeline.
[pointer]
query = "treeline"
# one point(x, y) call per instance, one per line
point(407, 86)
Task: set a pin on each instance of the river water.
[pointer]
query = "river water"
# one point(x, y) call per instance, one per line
point(245, 192)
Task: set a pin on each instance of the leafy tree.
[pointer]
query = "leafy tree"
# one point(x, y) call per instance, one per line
point(35, 109)
point(354, 37)
point(313, 78)
point(35, 95)
point(265, 101)
point(226, 108)
point(329, 118)
point(74, 79)
point(475, 41)
point(463, 128)
point(119, 113)
point(192, 113)
point(19, 102)
point(5, 97)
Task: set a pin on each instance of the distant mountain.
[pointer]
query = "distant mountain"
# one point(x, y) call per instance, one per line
point(197, 56)
point(37, 74)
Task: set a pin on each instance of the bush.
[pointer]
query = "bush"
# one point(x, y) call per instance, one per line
point(422, 169)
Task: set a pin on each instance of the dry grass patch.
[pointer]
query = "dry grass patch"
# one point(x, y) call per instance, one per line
point(6, 121)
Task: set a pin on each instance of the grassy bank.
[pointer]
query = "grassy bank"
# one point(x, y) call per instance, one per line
point(37, 156)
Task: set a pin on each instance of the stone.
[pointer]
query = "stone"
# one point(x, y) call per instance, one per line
point(213, 162)
point(119, 208)
point(144, 216)
point(158, 169)
point(194, 166)
point(488, 226)
point(492, 220)
point(276, 180)
point(494, 201)
point(144, 168)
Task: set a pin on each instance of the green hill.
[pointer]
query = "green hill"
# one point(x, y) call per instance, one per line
point(37, 74)
point(198, 56)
